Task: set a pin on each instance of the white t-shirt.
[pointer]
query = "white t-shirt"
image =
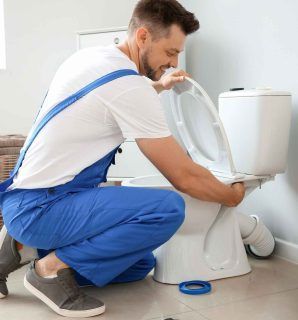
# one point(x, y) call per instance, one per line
point(90, 128)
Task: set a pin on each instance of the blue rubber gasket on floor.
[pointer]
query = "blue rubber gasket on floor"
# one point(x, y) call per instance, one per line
point(205, 287)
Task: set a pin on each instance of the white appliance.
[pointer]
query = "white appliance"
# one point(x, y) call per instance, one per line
point(246, 141)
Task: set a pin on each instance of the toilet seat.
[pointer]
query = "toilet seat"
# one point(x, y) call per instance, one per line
point(200, 128)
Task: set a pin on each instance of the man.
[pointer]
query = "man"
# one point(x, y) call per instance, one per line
point(106, 234)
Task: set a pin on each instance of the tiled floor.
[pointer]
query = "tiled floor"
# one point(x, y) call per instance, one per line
point(269, 292)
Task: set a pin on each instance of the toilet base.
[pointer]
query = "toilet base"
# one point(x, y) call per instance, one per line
point(215, 251)
point(168, 279)
point(207, 246)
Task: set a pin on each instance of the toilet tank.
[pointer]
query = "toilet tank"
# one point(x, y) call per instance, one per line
point(257, 124)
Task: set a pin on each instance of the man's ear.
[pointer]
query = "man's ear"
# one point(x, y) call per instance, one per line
point(142, 37)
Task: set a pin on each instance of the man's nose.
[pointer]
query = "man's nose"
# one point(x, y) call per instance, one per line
point(174, 62)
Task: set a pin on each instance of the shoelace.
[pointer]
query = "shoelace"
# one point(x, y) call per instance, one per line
point(68, 282)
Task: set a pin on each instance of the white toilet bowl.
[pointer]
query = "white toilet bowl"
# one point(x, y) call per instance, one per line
point(209, 245)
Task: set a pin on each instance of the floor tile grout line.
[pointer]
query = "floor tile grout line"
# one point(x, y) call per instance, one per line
point(170, 315)
point(175, 298)
point(247, 299)
point(225, 303)
point(191, 309)
point(202, 315)
point(179, 314)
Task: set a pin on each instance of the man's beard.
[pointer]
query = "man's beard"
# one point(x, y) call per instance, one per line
point(149, 72)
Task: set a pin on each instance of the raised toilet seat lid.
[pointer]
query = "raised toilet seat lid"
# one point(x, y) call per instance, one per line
point(200, 128)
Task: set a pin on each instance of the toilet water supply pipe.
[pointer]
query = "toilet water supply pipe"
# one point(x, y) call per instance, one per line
point(256, 237)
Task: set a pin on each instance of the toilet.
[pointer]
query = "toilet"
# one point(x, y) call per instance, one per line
point(246, 139)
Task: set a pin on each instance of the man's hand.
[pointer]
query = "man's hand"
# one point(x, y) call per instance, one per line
point(239, 193)
point(169, 80)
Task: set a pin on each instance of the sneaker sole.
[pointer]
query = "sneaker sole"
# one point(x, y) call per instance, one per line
point(62, 312)
point(3, 233)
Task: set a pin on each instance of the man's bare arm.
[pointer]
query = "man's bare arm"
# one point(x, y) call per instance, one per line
point(187, 176)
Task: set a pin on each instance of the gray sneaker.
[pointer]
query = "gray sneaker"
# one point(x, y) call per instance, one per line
point(9, 259)
point(62, 294)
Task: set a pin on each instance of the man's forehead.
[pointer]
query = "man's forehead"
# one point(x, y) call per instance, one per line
point(176, 39)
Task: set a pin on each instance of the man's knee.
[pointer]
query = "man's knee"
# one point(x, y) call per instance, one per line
point(145, 266)
point(138, 271)
point(174, 207)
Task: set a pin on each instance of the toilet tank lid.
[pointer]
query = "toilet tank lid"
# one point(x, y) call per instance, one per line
point(256, 92)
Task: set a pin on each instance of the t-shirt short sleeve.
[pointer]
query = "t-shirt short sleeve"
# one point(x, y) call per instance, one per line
point(139, 113)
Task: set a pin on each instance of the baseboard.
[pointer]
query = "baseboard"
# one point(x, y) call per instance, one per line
point(286, 250)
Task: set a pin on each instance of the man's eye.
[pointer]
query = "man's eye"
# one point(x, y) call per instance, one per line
point(170, 54)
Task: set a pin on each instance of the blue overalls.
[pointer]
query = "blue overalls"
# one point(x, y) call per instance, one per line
point(106, 234)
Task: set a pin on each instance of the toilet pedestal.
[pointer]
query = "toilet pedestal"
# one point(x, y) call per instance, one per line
point(207, 246)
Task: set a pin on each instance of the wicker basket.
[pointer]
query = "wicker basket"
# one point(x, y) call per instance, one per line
point(7, 164)
point(10, 145)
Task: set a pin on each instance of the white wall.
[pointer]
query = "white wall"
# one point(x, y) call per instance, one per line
point(249, 44)
point(2, 37)
point(239, 44)
point(39, 36)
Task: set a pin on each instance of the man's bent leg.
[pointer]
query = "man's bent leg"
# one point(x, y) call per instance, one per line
point(136, 272)
point(99, 232)
point(147, 218)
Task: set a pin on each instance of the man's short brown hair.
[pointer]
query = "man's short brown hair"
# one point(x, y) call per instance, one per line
point(159, 15)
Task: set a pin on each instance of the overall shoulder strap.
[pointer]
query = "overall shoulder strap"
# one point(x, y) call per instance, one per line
point(67, 102)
